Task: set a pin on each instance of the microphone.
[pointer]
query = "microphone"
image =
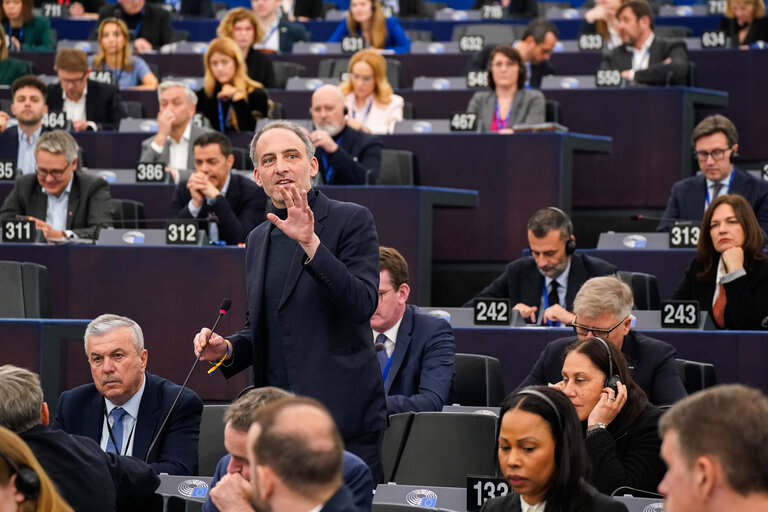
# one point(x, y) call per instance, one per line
point(223, 308)
point(380, 346)
point(764, 323)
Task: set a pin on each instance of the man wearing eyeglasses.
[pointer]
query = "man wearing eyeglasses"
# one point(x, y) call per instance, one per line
point(715, 142)
point(603, 309)
point(63, 203)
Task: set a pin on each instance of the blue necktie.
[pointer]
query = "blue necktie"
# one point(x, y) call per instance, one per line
point(118, 413)
point(382, 354)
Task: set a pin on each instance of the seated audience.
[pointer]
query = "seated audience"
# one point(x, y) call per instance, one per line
point(542, 286)
point(25, 30)
point(176, 130)
point(729, 275)
point(63, 202)
point(124, 399)
point(32, 491)
point(149, 23)
point(710, 469)
point(233, 470)
point(508, 102)
point(372, 106)
point(620, 424)
point(242, 26)
point(416, 351)
point(236, 203)
point(603, 308)
point(88, 9)
point(297, 455)
point(744, 22)
point(230, 100)
point(18, 142)
point(407, 8)
point(88, 104)
point(542, 457)
point(601, 19)
point(279, 32)
point(115, 55)
point(366, 19)
point(715, 142)
point(512, 8)
point(88, 479)
point(646, 58)
point(10, 68)
point(345, 156)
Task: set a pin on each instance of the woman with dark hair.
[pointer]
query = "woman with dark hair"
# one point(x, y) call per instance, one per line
point(542, 456)
point(115, 55)
point(619, 423)
point(508, 102)
point(366, 19)
point(729, 276)
point(25, 30)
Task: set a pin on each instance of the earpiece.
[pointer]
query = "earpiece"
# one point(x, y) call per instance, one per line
point(346, 110)
point(27, 481)
point(611, 379)
point(570, 247)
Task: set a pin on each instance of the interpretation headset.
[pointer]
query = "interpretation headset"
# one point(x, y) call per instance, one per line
point(537, 393)
point(570, 245)
point(611, 380)
point(27, 481)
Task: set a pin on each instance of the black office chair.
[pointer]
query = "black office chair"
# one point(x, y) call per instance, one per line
point(133, 109)
point(128, 214)
point(552, 112)
point(285, 70)
point(420, 35)
point(696, 375)
point(394, 442)
point(408, 112)
point(242, 159)
point(211, 443)
point(645, 290)
point(397, 167)
point(673, 31)
point(25, 290)
point(478, 381)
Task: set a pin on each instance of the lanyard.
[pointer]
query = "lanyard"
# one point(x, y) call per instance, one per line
point(112, 437)
point(367, 110)
point(386, 368)
point(501, 122)
point(730, 180)
point(328, 169)
point(272, 31)
point(545, 296)
point(222, 120)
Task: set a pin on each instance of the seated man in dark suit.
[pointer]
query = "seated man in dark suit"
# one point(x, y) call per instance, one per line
point(87, 478)
point(279, 32)
point(238, 204)
point(603, 308)
point(63, 202)
point(417, 351)
point(150, 23)
point(233, 472)
point(715, 141)
point(124, 408)
point(345, 156)
point(89, 105)
point(18, 142)
point(542, 286)
point(645, 58)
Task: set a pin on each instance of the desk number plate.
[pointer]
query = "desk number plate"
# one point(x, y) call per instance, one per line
point(680, 314)
point(492, 312)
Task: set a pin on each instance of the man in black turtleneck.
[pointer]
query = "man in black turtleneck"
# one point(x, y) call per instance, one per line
point(149, 24)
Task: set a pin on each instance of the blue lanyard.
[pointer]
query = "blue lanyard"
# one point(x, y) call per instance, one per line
point(502, 121)
point(328, 170)
point(545, 296)
point(222, 120)
point(730, 180)
point(269, 34)
point(9, 31)
point(367, 111)
point(385, 372)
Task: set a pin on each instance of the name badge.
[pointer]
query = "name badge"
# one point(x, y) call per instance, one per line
point(680, 314)
point(181, 232)
point(483, 488)
point(492, 311)
point(19, 231)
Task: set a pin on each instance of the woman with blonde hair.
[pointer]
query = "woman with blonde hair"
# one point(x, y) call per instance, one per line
point(744, 22)
point(372, 105)
point(367, 20)
point(242, 26)
point(24, 486)
point(115, 56)
point(229, 98)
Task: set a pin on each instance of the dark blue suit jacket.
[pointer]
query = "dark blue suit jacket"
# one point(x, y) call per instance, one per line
point(324, 314)
point(241, 210)
point(522, 281)
point(686, 201)
point(80, 411)
point(421, 376)
point(9, 145)
point(651, 363)
point(341, 501)
point(356, 162)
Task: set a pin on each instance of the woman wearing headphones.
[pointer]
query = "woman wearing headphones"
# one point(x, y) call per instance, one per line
point(115, 56)
point(542, 457)
point(619, 423)
point(508, 102)
point(24, 486)
point(366, 19)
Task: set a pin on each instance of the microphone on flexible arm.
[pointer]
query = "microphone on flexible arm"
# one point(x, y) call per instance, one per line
point(223, 308)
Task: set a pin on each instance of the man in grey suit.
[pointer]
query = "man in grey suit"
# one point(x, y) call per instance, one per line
point(172, 144)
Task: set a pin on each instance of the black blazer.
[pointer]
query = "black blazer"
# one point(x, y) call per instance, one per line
point(155, 23)
point(747, 296)
point(102, 104)
point(356, 162)
point(290, 32)
point(241, 210)
point(89, 207)
point(687, 198)
point(758, 31)
point(247, 111)
point(594, 502)
point(651, 364)
point(658, 73)
point(260, 67)
point(522, 281)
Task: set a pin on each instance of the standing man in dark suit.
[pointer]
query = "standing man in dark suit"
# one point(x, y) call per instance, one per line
point(149, 24)
point(89, 105)
point(236, 202)
point(603, 308)
point(418, 350)
point(345, 156)
point(311, 282)
point(715, 141)
point(87, 478)
point(124, 407)
point(542, 286)
point(18, 142)
point(279, 32)
point(645, 58)
point(64, 203)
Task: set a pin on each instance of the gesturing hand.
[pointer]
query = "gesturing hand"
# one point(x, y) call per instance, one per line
point(300, 224)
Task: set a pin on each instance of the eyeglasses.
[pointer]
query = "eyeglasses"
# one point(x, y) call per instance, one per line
point(73, 81)
point(716, 154)
point(584, 330)
point(56, 173)
point(361, 78)
point(384, 292)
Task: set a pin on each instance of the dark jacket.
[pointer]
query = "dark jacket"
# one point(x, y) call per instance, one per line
point(758, 31)
point(247, 111)
point(594, 502)
point(291, 32)
point(102, 104)
point(260, 67)
point(36, 36)
point(155, 22)
point(658, 72)
point(356, 162)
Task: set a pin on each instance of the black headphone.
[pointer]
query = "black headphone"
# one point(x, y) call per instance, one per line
point(536, 392)
point(27, 481)
point(611, 379)
point(570, 245)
